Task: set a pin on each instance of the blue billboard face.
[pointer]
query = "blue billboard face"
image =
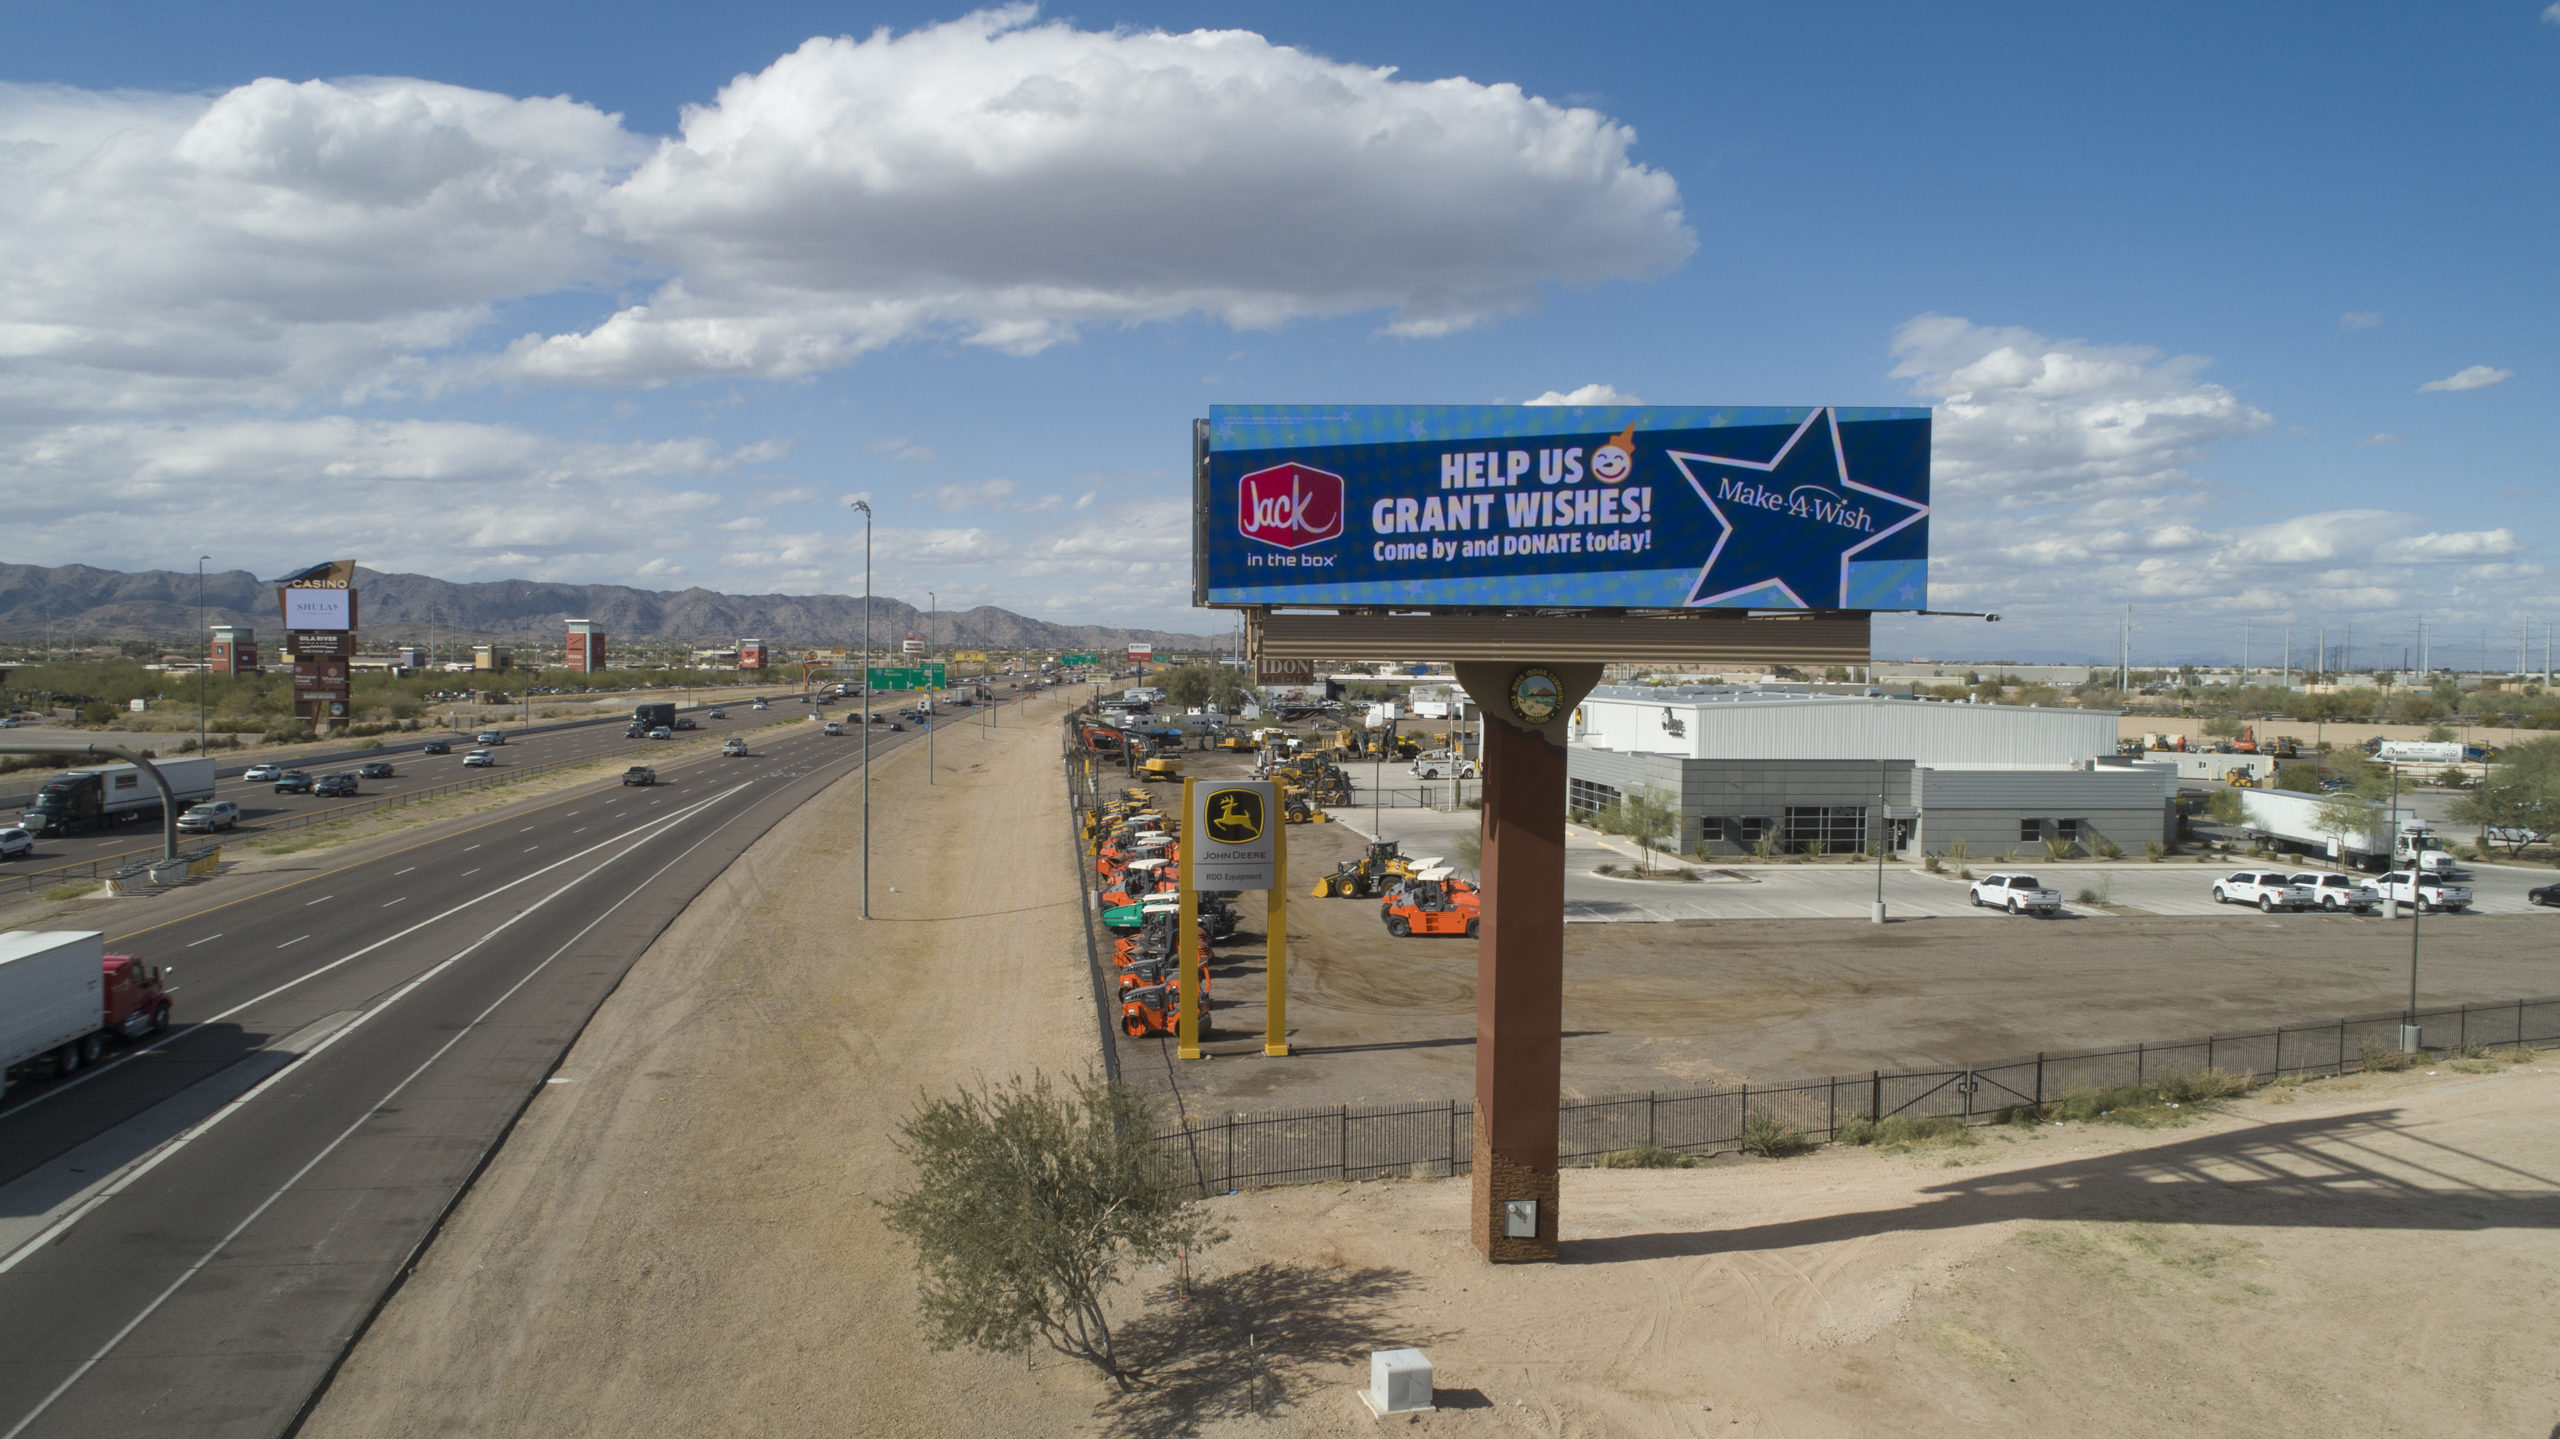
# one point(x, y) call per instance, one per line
point(1604, 507)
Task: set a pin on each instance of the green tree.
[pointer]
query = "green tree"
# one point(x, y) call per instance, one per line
point(1027, 1205)
point(2226, 808)
point(1187, 687)
point(2300, 778)
point(2222, 726)
point(1648, 815)
point(2341, 815)
point(2521, 793)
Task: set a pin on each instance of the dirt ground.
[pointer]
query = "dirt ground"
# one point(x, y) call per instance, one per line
point(1376, 1019)
point(2361, 1256)
point(679, 1238)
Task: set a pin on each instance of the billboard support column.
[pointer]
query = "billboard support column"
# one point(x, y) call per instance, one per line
point(1275, 949)
point(1186, 935)
point(1520, 954)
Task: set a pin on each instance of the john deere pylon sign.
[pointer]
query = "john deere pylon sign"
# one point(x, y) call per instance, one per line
point(1235, 830)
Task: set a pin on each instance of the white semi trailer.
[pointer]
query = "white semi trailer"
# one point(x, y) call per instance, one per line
point(96, 796)
point(2293, 821)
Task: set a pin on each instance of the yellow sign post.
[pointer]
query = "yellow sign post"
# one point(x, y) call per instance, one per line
point(1275, 968)
point(1186, 940)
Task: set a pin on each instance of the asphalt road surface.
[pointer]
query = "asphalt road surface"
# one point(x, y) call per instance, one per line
point(575, 740)
point(191, 1233)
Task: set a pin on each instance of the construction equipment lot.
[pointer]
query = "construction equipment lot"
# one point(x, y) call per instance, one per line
point(1687, 1003)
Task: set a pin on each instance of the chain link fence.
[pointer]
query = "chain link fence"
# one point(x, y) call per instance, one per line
point(1434, 1141)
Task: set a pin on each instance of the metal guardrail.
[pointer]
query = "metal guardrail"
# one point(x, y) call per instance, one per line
point(1426, 1141)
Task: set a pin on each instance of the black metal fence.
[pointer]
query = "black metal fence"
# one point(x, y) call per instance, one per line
point(1432, 1141)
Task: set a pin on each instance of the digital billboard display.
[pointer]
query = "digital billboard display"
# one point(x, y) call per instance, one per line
point(319, 609)
point(1601, 507)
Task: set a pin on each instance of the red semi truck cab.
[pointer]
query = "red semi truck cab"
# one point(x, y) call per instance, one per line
point(62, 998)
point(137, 1001)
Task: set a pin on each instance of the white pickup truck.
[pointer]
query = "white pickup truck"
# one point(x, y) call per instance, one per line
point(2432, 892)
point(1432, 764)
point(2341, 892)
point(2016, 893)
point(2270, 890)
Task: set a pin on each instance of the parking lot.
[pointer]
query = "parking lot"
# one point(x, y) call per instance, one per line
point(1772, 972)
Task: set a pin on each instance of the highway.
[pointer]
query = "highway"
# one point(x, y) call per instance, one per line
point(192, 1232)
point(258, 801)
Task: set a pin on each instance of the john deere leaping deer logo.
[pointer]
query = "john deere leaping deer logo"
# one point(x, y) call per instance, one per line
point(1235, 816)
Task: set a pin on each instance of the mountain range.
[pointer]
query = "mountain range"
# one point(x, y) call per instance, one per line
point(83, 603)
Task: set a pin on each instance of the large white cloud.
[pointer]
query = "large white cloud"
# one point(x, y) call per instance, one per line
point(1010, 182)
point(2065, 484)
point(995, 179)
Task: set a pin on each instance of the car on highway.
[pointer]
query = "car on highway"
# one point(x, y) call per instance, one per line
point(16, 843)
point(2268, 889)
point(435, 746)
point(760, 704)
point(376, 769)
point(209, 816)
point(2548, 894)
point(479, 759)
point(717, 714)
point(662, 732)
point(340, 785)
point(734, 748)
point(262, 773)
point(896, 728)
point(835, 727)
point(2016, 893)
point(639, 774)
point(490, 737)
point(2335, 892)
point(294, 781)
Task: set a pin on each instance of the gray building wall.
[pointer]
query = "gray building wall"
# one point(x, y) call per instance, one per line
point(1985, 809)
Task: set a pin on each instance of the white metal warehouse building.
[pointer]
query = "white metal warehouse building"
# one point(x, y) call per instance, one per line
point(1751, 767)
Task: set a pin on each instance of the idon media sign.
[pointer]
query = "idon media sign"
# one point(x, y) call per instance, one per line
point(1231, 839)
point(1621, 506)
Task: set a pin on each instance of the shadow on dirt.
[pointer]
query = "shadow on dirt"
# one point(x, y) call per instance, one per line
point(1251, 1344)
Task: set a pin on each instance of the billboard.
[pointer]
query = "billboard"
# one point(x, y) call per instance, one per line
point(1140, 654)
point(319, 609)
point(1604, 507)
point(968, 657)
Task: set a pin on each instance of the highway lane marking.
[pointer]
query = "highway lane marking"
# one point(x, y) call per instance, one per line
point(129, 935)
point(386, 904)
point(182, 1140)
point(582, 829)
point(290, 943)
point(208, 939)
point(395, 874)
point(324, 899)
point(531, 848)
point(466, 849)
point(466, 874)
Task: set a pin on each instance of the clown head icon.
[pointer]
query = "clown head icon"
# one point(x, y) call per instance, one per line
point(1611, 462)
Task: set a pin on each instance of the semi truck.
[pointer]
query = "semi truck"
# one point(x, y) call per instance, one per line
point(647, 717)
point(2292, 821)
point(2426, 751)
point(96, 796)
point(63, 997)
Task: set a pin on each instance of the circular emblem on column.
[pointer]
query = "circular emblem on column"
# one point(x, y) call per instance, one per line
point(1536, 695)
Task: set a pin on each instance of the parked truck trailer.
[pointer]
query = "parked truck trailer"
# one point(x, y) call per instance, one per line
point(96, 796)
point(2293, 821)
point(62, 998)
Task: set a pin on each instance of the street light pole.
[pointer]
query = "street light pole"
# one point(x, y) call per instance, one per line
point(932, 637)
point(865, 507)
point(200, 654)
point(1884, 837)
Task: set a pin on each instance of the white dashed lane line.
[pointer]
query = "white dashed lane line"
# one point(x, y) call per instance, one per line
point(468, 848)
point(466, 874)
point(395, 874)
point(386, 904)
point(208, 939)
point(324, 899)
point(290, 943)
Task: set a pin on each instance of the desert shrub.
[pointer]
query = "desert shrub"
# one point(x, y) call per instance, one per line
point(2519, 1054)
point(1958, 851)
point(2473, 1049)
point(2109, 849)
point(1911, 1131)
point(2059, 849)
point(2196, 1086)
point(1027, 1205)
point(2376, 1055)
point(2089, 895)
point(1771, 1137)
point(2154, 851)
point(1931, 864)
point(1645, 1156)
point(1856, 1129)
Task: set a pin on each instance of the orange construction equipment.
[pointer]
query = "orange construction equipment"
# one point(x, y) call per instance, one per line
point(1435, 903)
point(1157, 1009)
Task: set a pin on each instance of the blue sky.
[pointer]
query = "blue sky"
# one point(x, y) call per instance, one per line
point(2174, 277)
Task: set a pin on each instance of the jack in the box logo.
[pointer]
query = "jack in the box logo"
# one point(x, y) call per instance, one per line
point(1289, 506)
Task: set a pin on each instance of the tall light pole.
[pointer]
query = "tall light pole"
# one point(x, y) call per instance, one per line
point(865, 507)
point(200, 655)
point(933, 610)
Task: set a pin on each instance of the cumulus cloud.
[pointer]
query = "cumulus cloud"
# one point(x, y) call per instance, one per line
point(2359, 319)
point(1591, 394)
point(2469, 377)
point(2066, 482)
point(444, 497)
point(2380, 438)
point(1009, 183)
point(2551, 13)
